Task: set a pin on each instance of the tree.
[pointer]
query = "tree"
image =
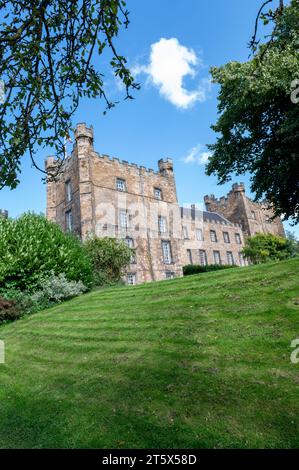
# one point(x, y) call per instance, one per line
point(261, 248)
point(109, 258)
point(258, 122)
point(48, 55)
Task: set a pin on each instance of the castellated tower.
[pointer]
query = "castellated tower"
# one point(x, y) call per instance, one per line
point(238, 208)
point(96, 194)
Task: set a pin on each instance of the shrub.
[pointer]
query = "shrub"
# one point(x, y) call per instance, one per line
point(197, 269)
point(109, 258)
point(51, 290)
point(8, 310)
point(261, 248)
point(55, 289)
point(31, 246)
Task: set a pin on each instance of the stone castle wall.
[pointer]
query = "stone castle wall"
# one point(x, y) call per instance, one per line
point(238, 208)
point(107, 191)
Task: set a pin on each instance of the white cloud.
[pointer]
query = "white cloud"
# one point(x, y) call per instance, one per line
point(169, 63)
point(197, 155)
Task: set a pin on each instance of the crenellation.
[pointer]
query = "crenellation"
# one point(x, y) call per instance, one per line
point(112, 197)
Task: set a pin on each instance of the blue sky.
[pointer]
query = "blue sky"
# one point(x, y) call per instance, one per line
point(172, 113)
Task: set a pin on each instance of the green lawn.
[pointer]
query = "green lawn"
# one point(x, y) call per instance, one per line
point(200, 362)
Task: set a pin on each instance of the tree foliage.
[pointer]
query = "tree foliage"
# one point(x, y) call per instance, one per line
point(258, 124)
point(261, 248)
point(49, 55)
point(109, 259)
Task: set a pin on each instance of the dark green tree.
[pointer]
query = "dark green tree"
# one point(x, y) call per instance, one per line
point(258, 124)
point(49, 51)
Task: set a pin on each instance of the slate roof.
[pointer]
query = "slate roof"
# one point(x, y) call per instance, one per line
point(207, 216)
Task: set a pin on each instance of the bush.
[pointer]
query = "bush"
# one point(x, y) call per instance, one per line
point(31, 247)
point(55, 289)
point(8, 310)
point(109, 258)
point(51, 290)
point(261, 248)
point(197, 269)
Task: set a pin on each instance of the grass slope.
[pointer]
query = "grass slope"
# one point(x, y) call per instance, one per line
point(202, 361)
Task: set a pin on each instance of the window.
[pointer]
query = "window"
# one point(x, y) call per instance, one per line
point(158, 194)
point(69, 220)
point(213, 236)
point(166, 250)
point(130, 243)
point(230, 258)
point(120, 184)
point(131, 279)
point(241, 259)
point(123, 219)
point(203, 257)
point(189, 254)
point(162, 226)
point(253, 215)
point(238, 238)
point(199, 234)
point(169, 275)
point(217, 259)
point(68, 191)
point(185, 233)
point(226, 237)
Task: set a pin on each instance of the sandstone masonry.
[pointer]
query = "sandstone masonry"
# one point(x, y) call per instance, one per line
point(96, 194)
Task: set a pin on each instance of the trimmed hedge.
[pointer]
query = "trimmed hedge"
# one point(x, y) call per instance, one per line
point(190, 269)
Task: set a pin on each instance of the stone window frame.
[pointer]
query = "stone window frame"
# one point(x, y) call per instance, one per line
point(185, 232)
point(169, 275)
point(201, 237)
point(131, 279)
point(253, 215)
point(162, 224)
point(121, 185)
point(219, 257)
point(158, 191)
point(211, 237)
point(205, 259)
point(127, 218)
point(226, 237)
point(69, 220)
point(230, 258)
point(238, 238)
point(189, 254)
point(129, 241)
point(68, 191)
point(241, 259)
point(168, 244)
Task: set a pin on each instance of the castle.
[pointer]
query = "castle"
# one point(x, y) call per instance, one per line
point(96, 194)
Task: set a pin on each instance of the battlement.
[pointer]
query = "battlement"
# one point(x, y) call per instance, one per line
point(83, 131)
point(236, 188)
point(126, 165)
point(4, 213)
point(86, 134)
